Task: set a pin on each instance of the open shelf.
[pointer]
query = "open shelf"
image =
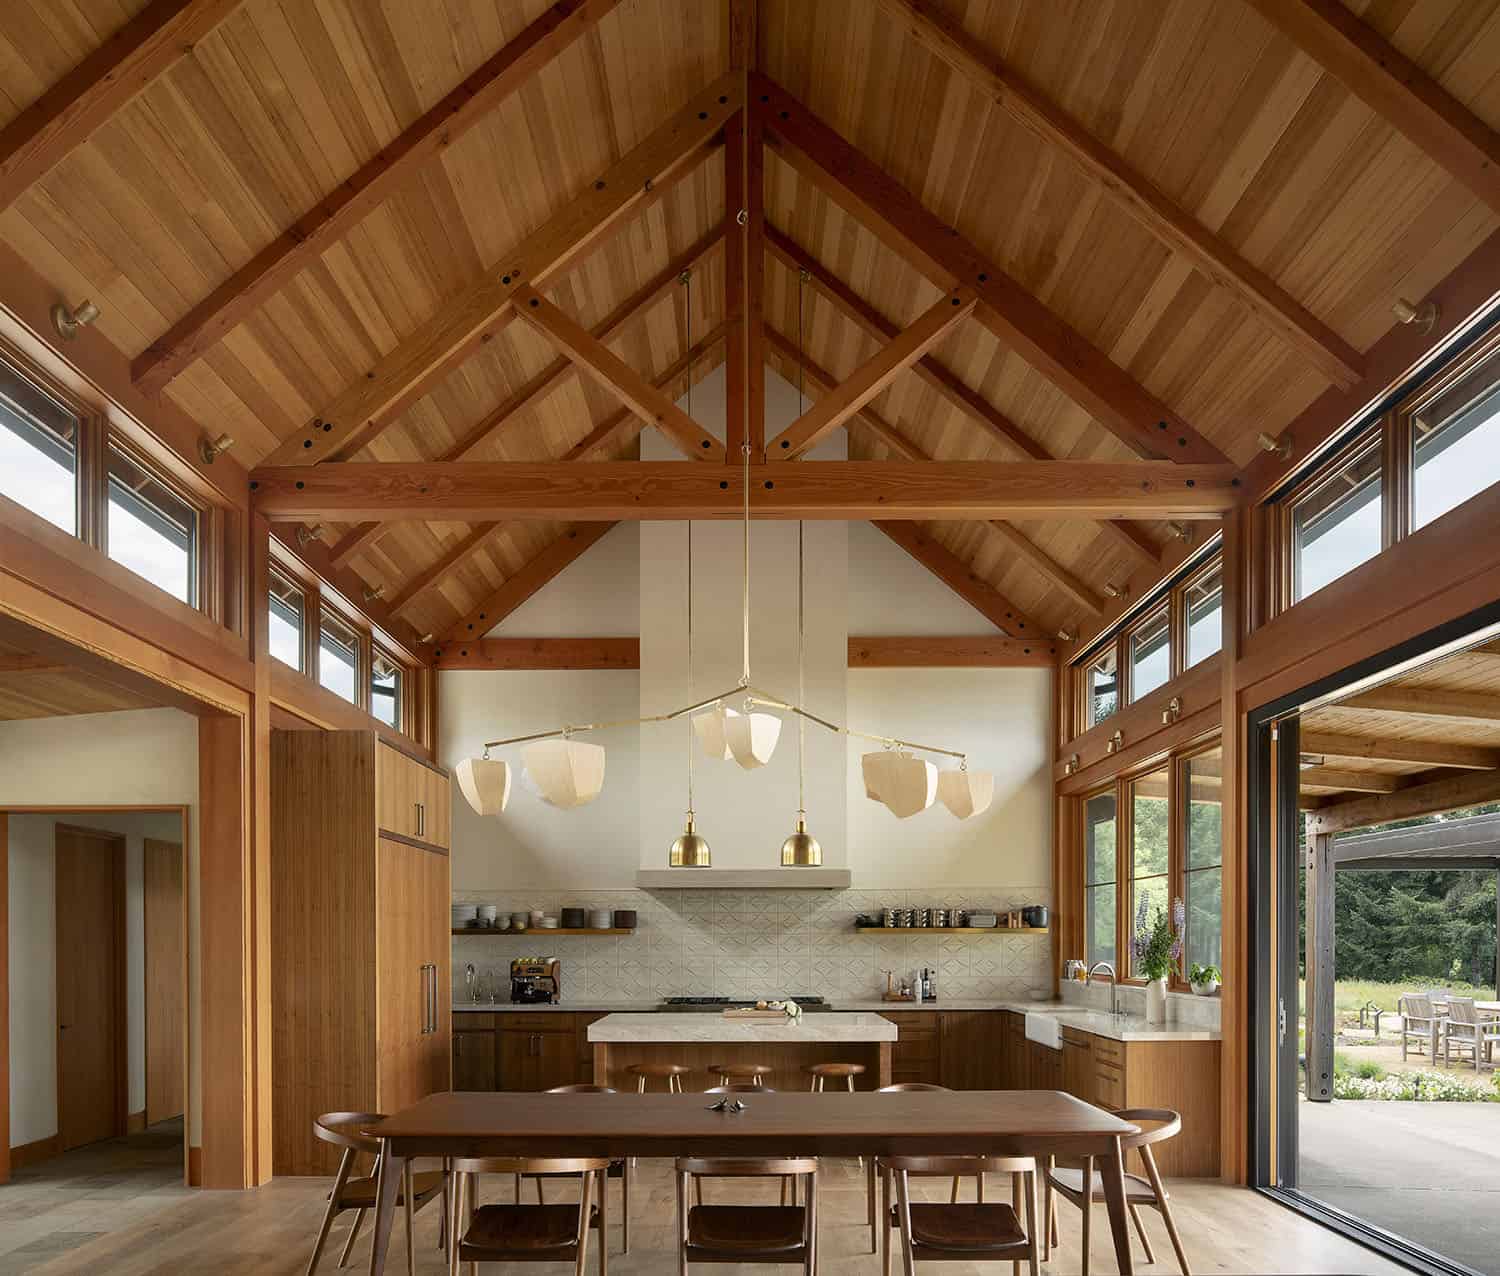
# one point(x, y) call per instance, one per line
point(543, 930)
point(951, 930)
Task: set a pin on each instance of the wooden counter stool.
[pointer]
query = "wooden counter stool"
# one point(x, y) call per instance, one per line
point(347, 1130)
point(619, 1168)
point(822, 1072)
point(754, 1073)
point(671, 1073)
point(1077, 1183)
point(963, 1232)
point(527, 1233)
point(748, 1233)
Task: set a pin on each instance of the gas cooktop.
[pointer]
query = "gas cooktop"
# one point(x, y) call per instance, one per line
point(682, 1005)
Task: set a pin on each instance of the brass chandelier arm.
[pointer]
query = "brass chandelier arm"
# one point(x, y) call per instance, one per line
point(894, 742)
point(617, 722)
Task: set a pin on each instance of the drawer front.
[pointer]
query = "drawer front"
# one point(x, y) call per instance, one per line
point(1076, 1037)
point(1109, 1086)
point(1107, 1050)
point(536, 1021)
point(912, 1020)
point(475, 1021)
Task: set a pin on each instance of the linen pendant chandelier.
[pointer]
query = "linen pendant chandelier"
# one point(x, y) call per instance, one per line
point(744, 724)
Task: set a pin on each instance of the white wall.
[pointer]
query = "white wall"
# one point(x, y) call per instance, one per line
point(33, 914)
point(138, 758)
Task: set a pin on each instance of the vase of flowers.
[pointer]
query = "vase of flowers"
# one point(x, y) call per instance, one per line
point(1156, 948)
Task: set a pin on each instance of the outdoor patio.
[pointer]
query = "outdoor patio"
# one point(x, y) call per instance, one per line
point(1429, 1171)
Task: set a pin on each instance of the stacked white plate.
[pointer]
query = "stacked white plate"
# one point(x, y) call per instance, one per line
point(488, 914)
point(463, 914)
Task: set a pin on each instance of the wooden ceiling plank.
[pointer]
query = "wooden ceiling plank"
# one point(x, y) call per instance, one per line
point(466, 548)
point(988, 601)
point(1394, 87)
point(74, 108)
point(1427, 702)
point(473, 491)
point(545, 382)
point(523, 583)
point(306, 239)
point(872, 376)
point(1392, 749)
point(961, 652)
point(1017, 318)
point(620, 191)
point(1473, 788)
point(512, 654)
point(1178, 229)
point(26, 662)
point(1134, 540)
point(897, 441)
point(615, 375)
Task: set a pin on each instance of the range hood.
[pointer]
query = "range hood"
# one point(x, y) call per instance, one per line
point(777, 879)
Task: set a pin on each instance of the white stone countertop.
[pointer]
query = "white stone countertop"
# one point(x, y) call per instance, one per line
point(583, 1006)
point(815, 1027)
point(1098, 1022)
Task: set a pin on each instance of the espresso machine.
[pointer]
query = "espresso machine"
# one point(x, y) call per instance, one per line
point(535, 983)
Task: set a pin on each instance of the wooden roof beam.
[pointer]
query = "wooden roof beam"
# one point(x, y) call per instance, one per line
point(547, 381)
point(744, 285)
point(1127, 536)
point(897, 441)
point(1467, 757)
point(988, 601)
point(73, 109)
point(1017, 318)
point(311, 235)
point(846, 398)
point(962, 652)
point(1173, 226)
point(1394, 87)
point(1427, 702)
point(1325, 777)
point(472, 491)
point(615, 375)
point(621, 190)
point(510, 654)
point(1473, 788)
point(460, 553)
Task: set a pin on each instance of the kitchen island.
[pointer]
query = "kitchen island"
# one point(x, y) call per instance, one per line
point(697, 1041)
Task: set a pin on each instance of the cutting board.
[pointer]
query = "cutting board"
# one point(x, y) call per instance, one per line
point(750, 1012)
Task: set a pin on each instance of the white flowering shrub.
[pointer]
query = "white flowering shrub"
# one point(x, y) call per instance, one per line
point(1413, 1087)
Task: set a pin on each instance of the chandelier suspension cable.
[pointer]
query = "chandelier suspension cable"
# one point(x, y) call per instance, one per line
point(687, 284)
point(745, 573)
point(801, 573)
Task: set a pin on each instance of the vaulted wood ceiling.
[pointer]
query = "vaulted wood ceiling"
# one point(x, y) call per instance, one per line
point(301, 191)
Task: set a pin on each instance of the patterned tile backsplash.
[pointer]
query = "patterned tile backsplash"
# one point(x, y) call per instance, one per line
point(741, 943)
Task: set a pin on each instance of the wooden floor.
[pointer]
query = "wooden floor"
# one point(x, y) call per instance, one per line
point(271, 1231)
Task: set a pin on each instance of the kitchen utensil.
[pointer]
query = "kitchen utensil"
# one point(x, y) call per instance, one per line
point(1035, 915)
point(983, 921)
point(625, 919)
point(488, 913)
point(924, 917)
point(536, 916)
point(940, 917)
point(888, 918)
point(600, 918)
point(574, 918)
point(518, 921)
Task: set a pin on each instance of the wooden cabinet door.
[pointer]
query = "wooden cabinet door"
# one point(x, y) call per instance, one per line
point(1013, 1075)
point(475, 1065)
point(395, 791)
point(971, 1049)
point(537, 1060)
point(401, 987)
point(1078, 1068)
point(436, 927)
point(437, 816)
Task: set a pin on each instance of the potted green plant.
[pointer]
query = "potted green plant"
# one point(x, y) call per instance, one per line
point(1205, 980)
point(1155, 948)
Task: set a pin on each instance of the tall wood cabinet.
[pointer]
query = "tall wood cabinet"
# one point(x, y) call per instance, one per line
point(360, 942)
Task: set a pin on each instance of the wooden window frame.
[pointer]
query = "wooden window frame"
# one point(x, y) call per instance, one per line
point(1082, 694)
point(205, 547)
point(403, 696)
point(1182, 799)
point(293, 583)
point(1160, 610)
point(362, 640)
point(1084, 885)
point(1212, 566)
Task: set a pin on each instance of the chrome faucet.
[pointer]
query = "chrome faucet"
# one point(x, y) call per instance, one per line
point(1103, 967)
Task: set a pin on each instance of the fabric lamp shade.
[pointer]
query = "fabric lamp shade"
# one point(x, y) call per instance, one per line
point(903, 783)
point(711, 729)
point(485, 784)
point(966, 793)
point(565, 773)
point(752, 737)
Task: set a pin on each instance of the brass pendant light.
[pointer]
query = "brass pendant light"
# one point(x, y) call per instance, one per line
point(691, 850)
point(801, 849)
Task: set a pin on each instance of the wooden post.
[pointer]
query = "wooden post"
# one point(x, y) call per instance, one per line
point(1320, 966)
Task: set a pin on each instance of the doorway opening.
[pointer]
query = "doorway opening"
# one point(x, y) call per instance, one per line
point(1375, 825)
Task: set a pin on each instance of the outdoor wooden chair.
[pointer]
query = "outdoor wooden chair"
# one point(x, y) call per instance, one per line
point(1419, 1023)
point(1468, 1033)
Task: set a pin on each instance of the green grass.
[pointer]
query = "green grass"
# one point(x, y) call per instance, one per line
point(1349, 995)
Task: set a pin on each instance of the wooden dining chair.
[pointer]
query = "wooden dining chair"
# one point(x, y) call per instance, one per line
point(963, 1231)
point(747, 1087)
point(748, 1233)
point(619, 1167)
point(523, 1233)
point(873, 1168)
point(347, 1130)
point(1077, 1182)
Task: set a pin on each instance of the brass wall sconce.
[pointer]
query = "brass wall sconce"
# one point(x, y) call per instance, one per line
point(306, 534)
point(1071, 765)
point(1281, 447)
point(1423, 317)
point(1116, 742)
point(1172, 712)
point(68, 322)
point(211, 449)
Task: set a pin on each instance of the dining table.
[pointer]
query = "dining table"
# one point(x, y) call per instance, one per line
point(1034, 1123)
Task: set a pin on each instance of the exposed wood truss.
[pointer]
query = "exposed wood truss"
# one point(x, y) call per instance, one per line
point(1334, 357)
point(68, 113)
point(977, 408)
point(1447, 794)
point(402, 375)
point(1427, 703)
point(1021, 322)
point(543, 653)
point(1395, 87)
point(949, 653)
point(312, 234)
point(1388, 749)
point(872, 376)
point(475, 491)
point(903, 447)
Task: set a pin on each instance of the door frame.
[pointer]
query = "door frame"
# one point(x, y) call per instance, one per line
point(120, 984)
point(182, 921)
point(1273, 767)
point(191, 1173)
